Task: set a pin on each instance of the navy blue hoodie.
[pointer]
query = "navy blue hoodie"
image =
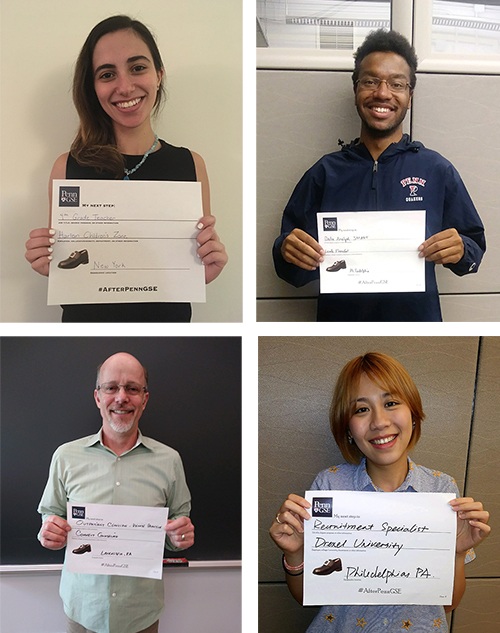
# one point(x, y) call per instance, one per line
point(407, 176)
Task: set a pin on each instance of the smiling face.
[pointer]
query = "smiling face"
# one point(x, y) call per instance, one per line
point(381, 424)
point(125, 79)
point(381, 111)
point(121, 412)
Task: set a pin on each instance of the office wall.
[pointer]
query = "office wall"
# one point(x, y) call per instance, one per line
point(300, 117)
point(201, 45)
point(296, 379)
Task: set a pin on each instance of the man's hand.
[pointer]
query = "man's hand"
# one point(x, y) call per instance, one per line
point(301, 249)
point(54, 532)
point(180, 532)
point(445, 247)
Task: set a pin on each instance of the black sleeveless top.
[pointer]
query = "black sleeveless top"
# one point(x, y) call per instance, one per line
point(168, 163)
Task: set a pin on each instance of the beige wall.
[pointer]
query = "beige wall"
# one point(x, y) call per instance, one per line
point(201, 46)
point(296, 378)
point(300, 117)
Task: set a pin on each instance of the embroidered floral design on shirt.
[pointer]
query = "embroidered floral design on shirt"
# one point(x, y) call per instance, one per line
point(361, 622)
point(330, 617)
point(407, 624)
point(437, 623)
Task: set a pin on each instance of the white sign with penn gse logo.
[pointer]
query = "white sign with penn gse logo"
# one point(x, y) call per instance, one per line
point(125, 241)
point(116, 540)
point(379, 548)
point(371, 251)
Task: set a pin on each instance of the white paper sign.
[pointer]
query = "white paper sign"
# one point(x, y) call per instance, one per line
point(125, 241)
point(116, 540)
point(379, 548)
point(374, 251)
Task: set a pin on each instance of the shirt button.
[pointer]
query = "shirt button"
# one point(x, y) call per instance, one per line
point(118, 459)
point(386, 621)
point(117, 483)
point(113, 595)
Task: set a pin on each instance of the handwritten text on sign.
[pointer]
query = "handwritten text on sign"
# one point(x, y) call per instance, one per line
point(379, 548)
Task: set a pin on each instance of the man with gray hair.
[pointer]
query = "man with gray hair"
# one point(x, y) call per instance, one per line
point(117, 466)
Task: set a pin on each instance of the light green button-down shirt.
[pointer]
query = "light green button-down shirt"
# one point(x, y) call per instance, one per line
point(86, 471)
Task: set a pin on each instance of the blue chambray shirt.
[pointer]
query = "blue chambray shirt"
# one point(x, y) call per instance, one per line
point(382, 618)
point(86, 471)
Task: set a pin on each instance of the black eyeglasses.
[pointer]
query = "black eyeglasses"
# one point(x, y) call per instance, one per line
point(373, 83)
point(111, 388)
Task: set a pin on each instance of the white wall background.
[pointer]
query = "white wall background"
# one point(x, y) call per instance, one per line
point(197, 599)
point(201, 47)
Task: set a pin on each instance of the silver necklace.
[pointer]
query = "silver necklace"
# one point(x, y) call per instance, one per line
point(151, 149)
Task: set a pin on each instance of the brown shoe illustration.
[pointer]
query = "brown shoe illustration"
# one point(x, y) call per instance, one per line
point(75, 259)
point(329, 567)
point(82, 549)
point(336, 266)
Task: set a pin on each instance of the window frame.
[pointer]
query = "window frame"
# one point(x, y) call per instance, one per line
point(430, 62)
point(413, 19)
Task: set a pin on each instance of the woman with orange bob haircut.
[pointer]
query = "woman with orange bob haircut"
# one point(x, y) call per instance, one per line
point(375, 417)
point(387, 373)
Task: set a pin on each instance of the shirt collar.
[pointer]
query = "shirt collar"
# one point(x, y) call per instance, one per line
point(92, 440)
point(362, 480)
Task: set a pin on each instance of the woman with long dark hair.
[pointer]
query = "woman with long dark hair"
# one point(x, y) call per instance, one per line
point(118, 85)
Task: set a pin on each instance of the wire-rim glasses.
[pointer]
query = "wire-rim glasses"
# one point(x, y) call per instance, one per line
point(112, 388)
point(373, 83)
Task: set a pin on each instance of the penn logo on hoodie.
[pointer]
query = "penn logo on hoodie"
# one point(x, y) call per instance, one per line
point(414, 184)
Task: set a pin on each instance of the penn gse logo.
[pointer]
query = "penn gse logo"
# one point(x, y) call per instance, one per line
point(322, 507)
point(329, 224)
point(69, 196)
point(78, 512)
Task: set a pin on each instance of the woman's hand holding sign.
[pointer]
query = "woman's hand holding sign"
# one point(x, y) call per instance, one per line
point(39, 249)
point(472, 523)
